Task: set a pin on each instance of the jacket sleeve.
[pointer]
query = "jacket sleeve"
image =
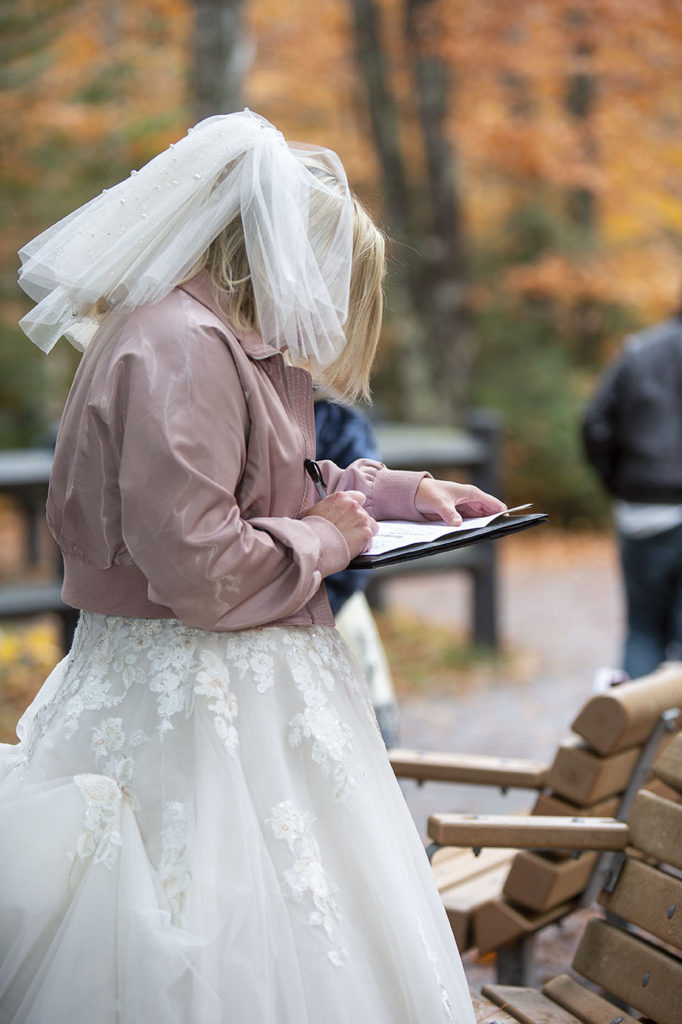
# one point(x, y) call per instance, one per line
point(343, 435)
point(600, 425)
point(390, 493)
point(183, 436)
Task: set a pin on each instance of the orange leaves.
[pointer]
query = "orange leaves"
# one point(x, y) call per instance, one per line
point(556, 277)
point(115, 75)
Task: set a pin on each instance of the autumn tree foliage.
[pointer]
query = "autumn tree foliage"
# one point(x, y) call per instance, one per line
point(571, 147)
point(527, 159)
point(524, 159)
point(89, 91)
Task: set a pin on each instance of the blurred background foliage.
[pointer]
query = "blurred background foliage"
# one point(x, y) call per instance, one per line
point(524, 159)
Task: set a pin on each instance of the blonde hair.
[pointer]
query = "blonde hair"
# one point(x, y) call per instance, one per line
point(227, 264)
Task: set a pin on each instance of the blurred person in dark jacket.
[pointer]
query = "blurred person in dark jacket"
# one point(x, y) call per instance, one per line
point(632, 431)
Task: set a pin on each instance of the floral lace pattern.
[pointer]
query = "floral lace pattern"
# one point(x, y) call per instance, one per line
point(112, 656)
point(251, 655)
point(173, 871)
point(106, 643)
point(319, 722)
point(213, 682)
point(209, 768)
point(307, 875)
point(113, 753)
point(100, 838)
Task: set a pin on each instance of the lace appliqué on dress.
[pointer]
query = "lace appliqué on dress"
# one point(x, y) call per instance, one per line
point(100, 838)
point(307, 874)
point(331, 738)
point(252, 658)
point(213, 682)
point(173, 871)
point(153, 653)
point(92, 686)
point(112, 753)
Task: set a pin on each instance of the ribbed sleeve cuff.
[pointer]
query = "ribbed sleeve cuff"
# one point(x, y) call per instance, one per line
point(334, 553)
point(394, 492)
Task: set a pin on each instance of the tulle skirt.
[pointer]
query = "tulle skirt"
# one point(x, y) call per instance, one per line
point(203, 828)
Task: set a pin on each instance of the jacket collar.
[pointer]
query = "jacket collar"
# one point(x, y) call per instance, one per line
point(201, 288)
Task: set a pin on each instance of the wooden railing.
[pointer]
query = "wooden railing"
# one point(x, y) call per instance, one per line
point(472, 454)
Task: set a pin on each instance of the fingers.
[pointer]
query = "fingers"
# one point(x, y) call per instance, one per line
point(478, 503)
point(336, 502)
point(437, 500)
point(356, 496)
point(351, 503)
point(344, 509)
point(449, 501)
point(447, 511)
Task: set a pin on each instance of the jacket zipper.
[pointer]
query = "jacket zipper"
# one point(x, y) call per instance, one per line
point(299, 514)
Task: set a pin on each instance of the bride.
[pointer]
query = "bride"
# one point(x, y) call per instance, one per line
point(199, 824)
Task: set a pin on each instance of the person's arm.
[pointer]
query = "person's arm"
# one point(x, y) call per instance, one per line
point(389, 493)
point(402, 494)
point(184, 425)
point(599, 425)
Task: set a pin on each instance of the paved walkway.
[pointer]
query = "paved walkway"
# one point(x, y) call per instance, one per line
point(561, 619)
point(560, 609)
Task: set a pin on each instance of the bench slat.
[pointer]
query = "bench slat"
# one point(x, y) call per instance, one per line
point(530, 832)
point(462, 901)
point(626, 714)
point(631, 969)
point(580, 775)
point(455, 865)
point(668, 764)
point(656, 827)
point(538, 883)
point(650, 899)
point(496, 923)
point(486, 1012)
point(507, 772)
point(529, 1006)
point(586, 1005)
point(550, 803)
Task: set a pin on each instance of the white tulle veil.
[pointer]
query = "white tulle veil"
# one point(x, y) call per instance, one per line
point(135, 242)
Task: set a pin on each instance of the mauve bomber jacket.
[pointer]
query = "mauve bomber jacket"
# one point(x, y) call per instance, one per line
point(178, 483)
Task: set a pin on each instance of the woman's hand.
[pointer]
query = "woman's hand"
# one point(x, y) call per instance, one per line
point(450, 502)
point(344, 509)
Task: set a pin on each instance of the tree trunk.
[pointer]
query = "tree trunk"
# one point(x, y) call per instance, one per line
point(411, 377)
point(580, 96)
point(581, 203)
point(428, 296)
point(445, 289)
point(221, 57)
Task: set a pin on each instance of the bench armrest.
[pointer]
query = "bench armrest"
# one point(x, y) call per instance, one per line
point(506, 772)
point(534, 832)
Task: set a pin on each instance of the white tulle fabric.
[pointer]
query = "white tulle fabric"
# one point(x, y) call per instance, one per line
point(131, 245)
point(203, 828)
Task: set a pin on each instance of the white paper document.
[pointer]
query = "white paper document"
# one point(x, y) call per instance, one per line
point(395, 533)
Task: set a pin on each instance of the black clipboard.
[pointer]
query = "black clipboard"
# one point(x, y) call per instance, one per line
point(460, 539)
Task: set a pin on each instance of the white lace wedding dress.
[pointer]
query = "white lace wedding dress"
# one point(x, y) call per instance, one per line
point(203, 828)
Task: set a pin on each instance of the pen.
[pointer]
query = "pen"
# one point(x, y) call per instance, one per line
point(315, 474)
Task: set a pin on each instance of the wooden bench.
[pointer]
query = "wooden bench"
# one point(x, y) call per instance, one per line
point(633, 951)
point(524, 878)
